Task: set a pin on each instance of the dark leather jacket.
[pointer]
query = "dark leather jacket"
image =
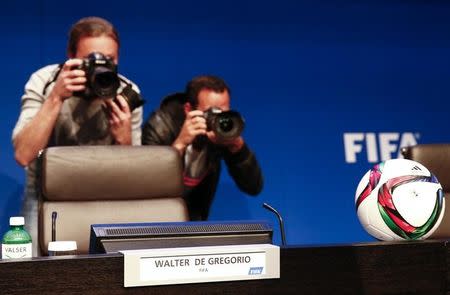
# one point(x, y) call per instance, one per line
point(163, 127)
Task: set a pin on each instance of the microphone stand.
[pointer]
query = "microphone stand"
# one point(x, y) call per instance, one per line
point(54, 215)
point(280, 220)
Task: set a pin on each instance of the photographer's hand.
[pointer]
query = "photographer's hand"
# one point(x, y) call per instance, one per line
point(233, 145)
point(35, 135)
point(120, 120)
point(194, 124)
point(70, 79)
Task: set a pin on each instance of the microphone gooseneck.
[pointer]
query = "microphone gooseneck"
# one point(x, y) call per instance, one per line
point(280, 220)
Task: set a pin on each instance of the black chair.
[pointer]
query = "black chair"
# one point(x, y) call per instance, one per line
point(436, 158)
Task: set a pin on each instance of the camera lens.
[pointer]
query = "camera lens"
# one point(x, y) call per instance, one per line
point(105, 82)
point(226, 124)
point(133, 98)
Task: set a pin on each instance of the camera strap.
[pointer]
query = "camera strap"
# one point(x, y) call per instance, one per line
point(53, 78)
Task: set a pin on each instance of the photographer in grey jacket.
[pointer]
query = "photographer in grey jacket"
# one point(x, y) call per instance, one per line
point(201, 126)
point(80, 102)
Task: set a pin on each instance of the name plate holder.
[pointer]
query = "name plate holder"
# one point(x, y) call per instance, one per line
point(151, 267)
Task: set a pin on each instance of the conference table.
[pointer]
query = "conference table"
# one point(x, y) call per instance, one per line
point(419, 267)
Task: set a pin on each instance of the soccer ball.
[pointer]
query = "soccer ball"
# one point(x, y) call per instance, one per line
point(399, 199)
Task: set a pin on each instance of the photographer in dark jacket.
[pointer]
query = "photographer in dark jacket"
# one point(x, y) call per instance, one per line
point(180, 122)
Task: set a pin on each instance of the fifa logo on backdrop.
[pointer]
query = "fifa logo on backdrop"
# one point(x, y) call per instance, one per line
point(377, 147)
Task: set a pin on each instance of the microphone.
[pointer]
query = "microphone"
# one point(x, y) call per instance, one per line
point(280, 220)
point(54, 215)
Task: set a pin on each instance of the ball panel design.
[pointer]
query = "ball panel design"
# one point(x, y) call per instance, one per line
point(411, 201)
point(399, 199)
point(374, 176)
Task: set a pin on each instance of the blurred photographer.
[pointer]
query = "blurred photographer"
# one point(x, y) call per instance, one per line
point(80, 102)
point(201, 126)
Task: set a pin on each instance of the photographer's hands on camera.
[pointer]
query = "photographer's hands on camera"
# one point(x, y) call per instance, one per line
point(72, 79)
point(195, 125)
point(69, 80)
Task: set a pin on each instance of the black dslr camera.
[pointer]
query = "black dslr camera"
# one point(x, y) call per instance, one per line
point(101, 75)
point(225, 124)
point(103, 81)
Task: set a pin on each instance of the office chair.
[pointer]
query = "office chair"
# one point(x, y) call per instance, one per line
point(87, 185)
point(436, 158)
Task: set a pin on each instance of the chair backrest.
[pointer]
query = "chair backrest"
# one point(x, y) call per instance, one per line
point(436, 158)
point(107, 184)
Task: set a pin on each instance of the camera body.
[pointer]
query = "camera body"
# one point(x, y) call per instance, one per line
point(101, 75)
point(102, 81)
point(226, 125)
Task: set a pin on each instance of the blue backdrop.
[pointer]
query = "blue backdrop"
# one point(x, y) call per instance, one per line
point(328, 88)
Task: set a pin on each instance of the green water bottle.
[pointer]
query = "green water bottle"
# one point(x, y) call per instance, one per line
point(16, 242)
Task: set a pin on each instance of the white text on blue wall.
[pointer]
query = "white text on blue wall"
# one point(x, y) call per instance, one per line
point(378, 147)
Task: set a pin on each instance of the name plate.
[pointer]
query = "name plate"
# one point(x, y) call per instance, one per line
point(167, 266)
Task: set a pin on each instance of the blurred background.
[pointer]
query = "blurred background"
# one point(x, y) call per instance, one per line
point(327, 89)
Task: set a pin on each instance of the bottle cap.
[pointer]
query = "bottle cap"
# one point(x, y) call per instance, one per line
point(16, 220)
point(62, 246)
